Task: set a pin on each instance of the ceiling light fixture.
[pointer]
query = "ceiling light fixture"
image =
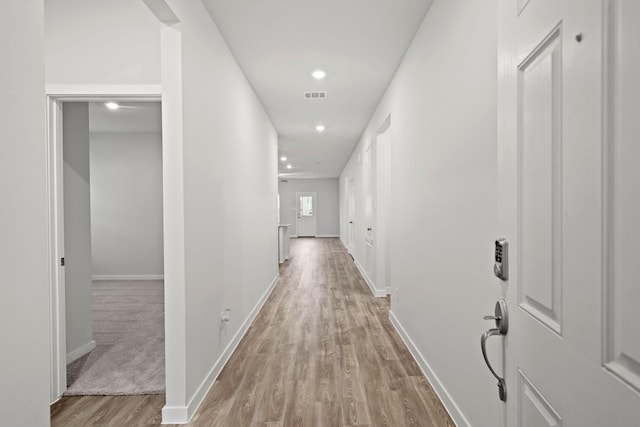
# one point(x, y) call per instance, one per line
point(289, 166)
point(320, 128)
point(283, 158)
point(112, 105)
point(318, 74)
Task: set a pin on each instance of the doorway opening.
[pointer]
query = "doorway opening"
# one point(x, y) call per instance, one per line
point(107, 242)
point(307, 225)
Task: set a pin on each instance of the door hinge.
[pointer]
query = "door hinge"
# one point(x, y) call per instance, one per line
point(62, 262)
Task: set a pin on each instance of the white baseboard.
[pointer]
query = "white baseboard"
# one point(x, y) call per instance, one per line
point(182, 415)
point(378, 293)
point(127, 277)
point(80, 351)
point(444, 396)
point(174, 415)
point(317, 236)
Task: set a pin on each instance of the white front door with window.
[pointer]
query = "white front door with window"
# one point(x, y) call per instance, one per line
point(306, 216)
point(569, 206)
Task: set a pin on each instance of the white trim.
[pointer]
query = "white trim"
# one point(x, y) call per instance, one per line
point(174, 415)
point(58, 337)
point(81, 351)
point(328, 235)
point(182, 415)
point(452, 408)
point(93, 92)
point(127, 277)
point(378, 293)
point(56, 94)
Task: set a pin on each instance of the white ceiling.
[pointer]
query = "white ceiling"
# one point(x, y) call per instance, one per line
point(130, 117)
point(278, 43)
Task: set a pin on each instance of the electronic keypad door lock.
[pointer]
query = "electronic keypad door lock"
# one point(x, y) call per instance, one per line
point(501, 265)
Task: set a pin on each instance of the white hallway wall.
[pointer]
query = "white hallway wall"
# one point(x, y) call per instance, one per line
point(126, 204)
point(230, 253)
point(327, 204)
point(218, 254)
point(442, 104)
point(24, 264)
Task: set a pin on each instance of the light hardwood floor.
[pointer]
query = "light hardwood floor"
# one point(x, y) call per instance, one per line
point(322, 352)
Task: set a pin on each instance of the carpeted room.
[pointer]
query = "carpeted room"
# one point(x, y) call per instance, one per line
point(113, 248)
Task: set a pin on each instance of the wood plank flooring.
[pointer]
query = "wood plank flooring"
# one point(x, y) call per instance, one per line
point(322, 352)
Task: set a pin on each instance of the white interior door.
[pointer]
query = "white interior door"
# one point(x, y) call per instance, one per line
point(569, 206)
point(369, 214)
point(383, 190)
point(306, 217)
point(351, 212)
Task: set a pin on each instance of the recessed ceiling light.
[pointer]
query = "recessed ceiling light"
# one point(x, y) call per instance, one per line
point(289, 166)
point(283, 158)
point(320, 128)
point(112, 105)
point(318, 74)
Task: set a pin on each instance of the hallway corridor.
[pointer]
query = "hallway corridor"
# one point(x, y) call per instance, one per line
point(322, 352)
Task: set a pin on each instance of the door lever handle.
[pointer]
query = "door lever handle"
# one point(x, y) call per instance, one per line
point(501, 318)
point(502, 387)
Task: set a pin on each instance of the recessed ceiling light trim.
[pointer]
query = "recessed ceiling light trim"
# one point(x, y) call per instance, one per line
point(112, 105)
point(319, 74)
point(283, 158)
point(320, 128)
point(289, 166)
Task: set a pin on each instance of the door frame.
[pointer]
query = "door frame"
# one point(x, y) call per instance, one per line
point(382, 173)
point(349, 183)
point(55, 96)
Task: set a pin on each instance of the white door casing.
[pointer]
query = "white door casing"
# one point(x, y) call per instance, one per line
point(351, 212)
point(565, 166)
point(56, 95)
point(383, 184)
point(56, 250)
point(306, 204)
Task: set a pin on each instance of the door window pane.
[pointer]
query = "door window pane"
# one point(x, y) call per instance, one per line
point(306, 205)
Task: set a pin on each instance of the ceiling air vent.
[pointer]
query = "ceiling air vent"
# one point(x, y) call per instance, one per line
point(315, 95)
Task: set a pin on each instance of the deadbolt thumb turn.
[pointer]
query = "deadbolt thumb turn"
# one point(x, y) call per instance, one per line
point(501, 318)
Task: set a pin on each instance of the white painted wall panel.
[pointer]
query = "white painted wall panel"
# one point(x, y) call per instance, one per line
point(101, 42)
point(24, 264)
point(230, 194)
point(442, 103)
point(126, 204)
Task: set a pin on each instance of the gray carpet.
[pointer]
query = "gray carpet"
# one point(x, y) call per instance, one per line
point(128, 327)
